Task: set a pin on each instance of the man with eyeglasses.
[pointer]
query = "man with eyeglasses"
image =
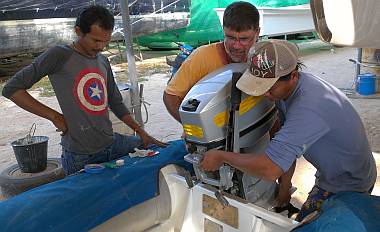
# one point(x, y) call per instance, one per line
point(317, 121)
point(241, 30)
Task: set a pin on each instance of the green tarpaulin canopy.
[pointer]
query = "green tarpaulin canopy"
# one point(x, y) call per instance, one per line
point(204, 24)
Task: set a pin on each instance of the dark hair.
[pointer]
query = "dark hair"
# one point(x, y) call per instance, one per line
point(95, 15)
point(241, 16)
point(287, 76)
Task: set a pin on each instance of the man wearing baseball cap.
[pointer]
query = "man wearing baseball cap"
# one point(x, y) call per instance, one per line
point(316, 121)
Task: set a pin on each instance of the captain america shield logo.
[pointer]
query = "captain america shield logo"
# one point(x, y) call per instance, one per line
point(91, 92)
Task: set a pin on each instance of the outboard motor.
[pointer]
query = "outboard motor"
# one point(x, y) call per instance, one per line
point(216, 115)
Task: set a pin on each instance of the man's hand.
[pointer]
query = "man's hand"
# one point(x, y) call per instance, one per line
point(59, 121)
point(283, 197)
point(148, 140)
point(145, 137)
point(212, 160)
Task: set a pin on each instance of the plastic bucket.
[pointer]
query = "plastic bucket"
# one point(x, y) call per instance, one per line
point(371, 57)
point(366, 84)
point(31, 153)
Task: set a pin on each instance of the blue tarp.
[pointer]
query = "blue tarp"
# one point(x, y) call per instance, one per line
point(347, 211)
point(83, 201)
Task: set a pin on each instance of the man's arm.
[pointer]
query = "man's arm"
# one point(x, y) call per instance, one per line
point(24, 100)
point(276, 127)
point(285, 181)
point(47, 63)
point(190, 72)
point(145, 137)
point(172, 104)
point(256, 165)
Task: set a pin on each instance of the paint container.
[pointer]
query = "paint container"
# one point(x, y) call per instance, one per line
point(94, 168)
point(371, 58)
point(366, 84)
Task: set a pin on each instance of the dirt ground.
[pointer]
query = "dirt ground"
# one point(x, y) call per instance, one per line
point(329, 63)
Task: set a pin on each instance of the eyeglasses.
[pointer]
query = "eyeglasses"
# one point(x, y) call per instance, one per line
point(242, 41)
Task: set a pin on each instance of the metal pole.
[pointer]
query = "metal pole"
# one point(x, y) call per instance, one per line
point(359, 58)
point(136, 102)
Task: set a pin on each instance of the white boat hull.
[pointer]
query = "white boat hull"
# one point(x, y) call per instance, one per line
point(36, 35)
point(179, 208)
point(281, 20)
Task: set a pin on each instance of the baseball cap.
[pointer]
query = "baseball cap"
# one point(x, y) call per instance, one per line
point(267, 62)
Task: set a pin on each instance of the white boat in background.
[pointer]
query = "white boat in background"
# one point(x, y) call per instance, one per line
point(35, 35)
point(26, 28)
point(282, 20)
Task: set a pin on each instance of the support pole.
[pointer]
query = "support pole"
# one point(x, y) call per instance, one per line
point(136, 102)
point(359, 58)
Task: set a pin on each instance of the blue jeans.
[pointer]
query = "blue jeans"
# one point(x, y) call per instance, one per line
point(314, 201)
point(121, 146)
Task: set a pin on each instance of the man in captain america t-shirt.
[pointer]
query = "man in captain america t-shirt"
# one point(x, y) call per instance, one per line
point(84, 85)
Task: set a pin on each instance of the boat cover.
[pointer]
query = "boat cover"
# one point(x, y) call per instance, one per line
point(346, 211)
point(82, 201)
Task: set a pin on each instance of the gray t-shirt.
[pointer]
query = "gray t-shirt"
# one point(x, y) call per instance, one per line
point(321, 124)
point(85, 88)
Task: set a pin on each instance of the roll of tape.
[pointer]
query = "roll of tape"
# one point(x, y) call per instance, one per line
point(94, 168)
